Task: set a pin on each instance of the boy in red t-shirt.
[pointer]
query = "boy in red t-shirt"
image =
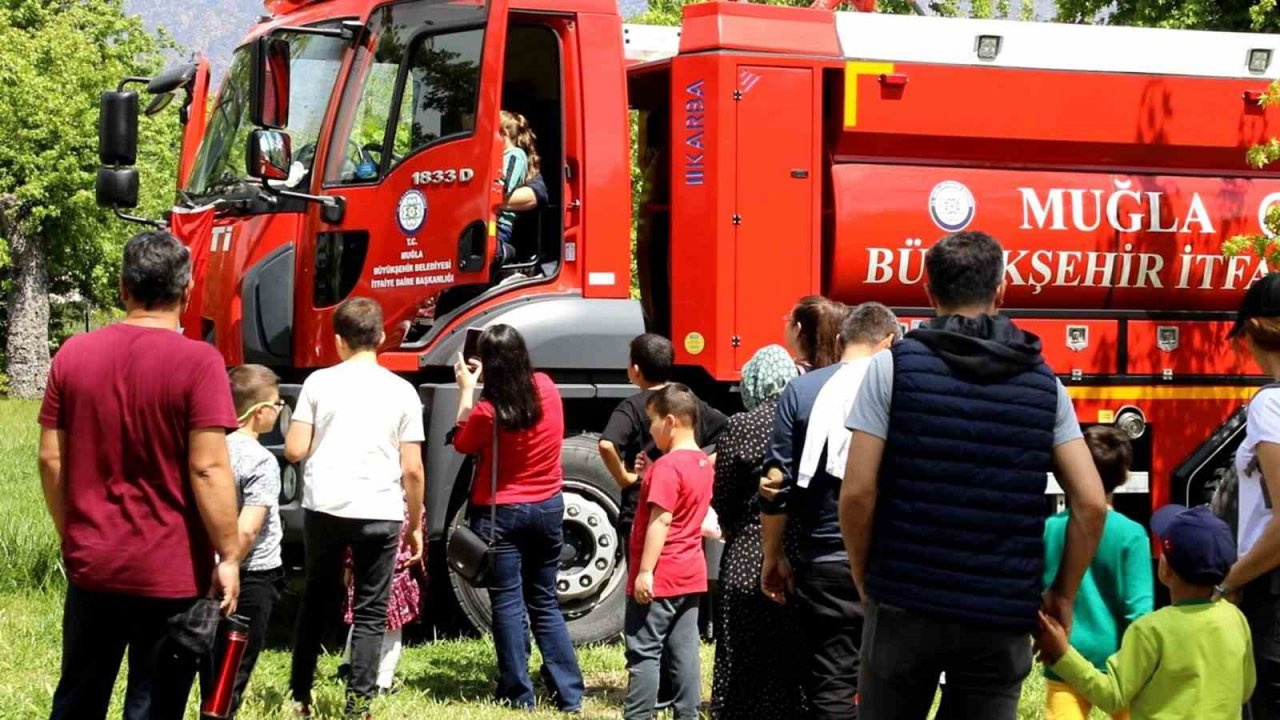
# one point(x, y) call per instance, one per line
point(670, 571)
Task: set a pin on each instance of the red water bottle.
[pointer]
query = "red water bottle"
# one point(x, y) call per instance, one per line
point(234, 640)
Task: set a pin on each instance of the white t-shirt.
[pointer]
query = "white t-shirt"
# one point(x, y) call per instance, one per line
point(361, 412)
point(1255, 506)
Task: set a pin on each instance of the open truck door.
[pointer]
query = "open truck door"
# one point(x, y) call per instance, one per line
point(415, 155)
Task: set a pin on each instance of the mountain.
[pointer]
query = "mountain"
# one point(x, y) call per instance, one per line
point(216, 27)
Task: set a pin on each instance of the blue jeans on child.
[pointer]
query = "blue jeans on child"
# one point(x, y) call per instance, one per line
point(522, 591)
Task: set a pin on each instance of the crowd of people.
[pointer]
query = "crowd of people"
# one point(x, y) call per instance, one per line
point(881, 498)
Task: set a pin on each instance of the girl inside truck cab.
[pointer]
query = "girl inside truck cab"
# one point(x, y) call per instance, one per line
point(521, 165)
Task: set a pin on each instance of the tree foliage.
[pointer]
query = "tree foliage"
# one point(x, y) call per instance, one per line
point(55, 59)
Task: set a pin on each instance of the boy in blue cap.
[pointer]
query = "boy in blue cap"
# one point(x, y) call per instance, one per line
point(1192, 660)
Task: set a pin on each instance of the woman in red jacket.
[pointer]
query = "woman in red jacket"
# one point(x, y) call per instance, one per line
point(526, 410)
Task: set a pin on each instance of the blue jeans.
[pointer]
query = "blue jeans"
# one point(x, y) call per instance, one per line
point(522, 591)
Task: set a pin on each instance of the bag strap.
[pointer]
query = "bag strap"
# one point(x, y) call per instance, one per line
point(493, 484)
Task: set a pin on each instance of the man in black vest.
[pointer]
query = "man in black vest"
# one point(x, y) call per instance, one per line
point(942, 508)
point(803, 470)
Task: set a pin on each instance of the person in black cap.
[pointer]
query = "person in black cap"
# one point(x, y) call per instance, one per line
point(1257, 466)
point(1192, 660)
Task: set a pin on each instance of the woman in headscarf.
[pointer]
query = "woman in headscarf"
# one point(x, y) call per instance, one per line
point(752, 633)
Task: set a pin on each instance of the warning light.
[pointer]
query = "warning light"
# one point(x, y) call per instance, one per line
point(1259, 60)
point(988, 47)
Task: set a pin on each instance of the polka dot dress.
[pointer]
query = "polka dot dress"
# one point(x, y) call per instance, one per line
point(758, 651)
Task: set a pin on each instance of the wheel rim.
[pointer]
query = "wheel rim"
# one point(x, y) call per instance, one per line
point(590, 560)
point(581, 550)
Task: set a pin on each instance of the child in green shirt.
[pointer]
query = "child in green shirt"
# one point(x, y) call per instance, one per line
point(1192, 660)
point(1116, 590)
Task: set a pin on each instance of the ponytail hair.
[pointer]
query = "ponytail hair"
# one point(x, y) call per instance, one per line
point(516, 127)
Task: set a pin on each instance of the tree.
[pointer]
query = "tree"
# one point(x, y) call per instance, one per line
point(55, 59)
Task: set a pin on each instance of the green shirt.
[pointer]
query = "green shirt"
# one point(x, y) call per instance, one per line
point(1117, 589)
point(1191, 661)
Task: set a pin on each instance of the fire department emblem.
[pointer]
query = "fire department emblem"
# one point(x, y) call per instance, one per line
point(412, 211)
point(952, 206)
point(1167, 338)
point(1077, 337)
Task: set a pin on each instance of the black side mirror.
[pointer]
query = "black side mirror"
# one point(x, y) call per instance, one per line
point(269, 156)
point(118, 128)
point(269, 83)
point(174, 77)
point(117, 187)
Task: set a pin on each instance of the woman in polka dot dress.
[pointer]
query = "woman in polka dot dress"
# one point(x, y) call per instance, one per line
point(757, 641)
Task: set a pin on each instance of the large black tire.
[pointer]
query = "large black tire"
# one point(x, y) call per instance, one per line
point(592, 580)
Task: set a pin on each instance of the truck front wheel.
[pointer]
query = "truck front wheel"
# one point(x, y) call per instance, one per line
point(592, 580)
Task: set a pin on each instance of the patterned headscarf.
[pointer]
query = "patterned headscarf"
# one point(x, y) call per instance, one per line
point(766, 374)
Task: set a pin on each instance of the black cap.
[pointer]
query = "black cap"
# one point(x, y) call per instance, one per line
point(1262, 300)
point(1197, 544)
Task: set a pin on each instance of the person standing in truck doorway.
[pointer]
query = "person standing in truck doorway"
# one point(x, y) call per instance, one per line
point(801, 483)
point(137, 480)
point(359, 428)
point(942, 507)
point(521, 164)
point(1254, 579)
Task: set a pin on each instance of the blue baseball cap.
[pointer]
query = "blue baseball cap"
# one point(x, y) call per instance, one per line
point(1197, 544)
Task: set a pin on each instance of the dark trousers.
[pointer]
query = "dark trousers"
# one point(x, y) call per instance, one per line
point(374, 544)
point(259, 591)
point(904, 652)
point(664, 674)
point(665, 629)
point(831, 618)
point(522, 593)
point(1261, 607)
point(97, 628)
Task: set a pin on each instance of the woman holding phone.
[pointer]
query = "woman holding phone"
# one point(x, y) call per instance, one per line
point(522, 409)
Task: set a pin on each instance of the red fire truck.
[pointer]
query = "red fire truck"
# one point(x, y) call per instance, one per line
point(353, 150)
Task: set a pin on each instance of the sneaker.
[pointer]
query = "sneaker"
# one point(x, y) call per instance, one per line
point(302, 710)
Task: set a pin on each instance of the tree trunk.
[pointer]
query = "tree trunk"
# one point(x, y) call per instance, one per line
point(27, 349)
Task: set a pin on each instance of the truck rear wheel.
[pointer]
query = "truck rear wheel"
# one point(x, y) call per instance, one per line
point(592, 579)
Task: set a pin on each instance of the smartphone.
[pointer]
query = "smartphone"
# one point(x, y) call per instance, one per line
point(471, 344)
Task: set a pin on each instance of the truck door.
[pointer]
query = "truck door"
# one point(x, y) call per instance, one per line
point(416, 155)
point(775, 213)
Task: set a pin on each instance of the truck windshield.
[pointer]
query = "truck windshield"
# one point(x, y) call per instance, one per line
point(220, 163)
point(435, 70)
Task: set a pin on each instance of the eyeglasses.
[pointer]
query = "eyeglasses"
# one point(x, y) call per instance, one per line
point(278, 406)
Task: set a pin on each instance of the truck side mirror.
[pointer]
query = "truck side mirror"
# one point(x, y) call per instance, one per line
point(269, 156)
point(117, 187)
point(269, 83)
point(118, 128)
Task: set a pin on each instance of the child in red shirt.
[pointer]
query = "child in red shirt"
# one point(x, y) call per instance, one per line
point(669, 570)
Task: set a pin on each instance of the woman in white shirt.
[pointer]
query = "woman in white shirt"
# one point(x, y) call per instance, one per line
point(1254, 578)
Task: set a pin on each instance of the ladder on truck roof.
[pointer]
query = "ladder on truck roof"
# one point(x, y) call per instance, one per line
point(646, 43)
point(1057, 46)
point(1017, 44)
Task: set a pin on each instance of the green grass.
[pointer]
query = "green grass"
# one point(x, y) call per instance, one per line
point(446, 680)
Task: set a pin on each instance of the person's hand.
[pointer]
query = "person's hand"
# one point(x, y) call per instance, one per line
point(226, 586)
point(776, 578)
point(1059, 607)
point(643, 591)
point(1052, 641)
point(642, 464)
point(467, 373)
point(347, 577)
point(413, 539)
point(770, 488)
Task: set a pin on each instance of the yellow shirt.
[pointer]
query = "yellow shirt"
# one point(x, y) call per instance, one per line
point(1190, 661)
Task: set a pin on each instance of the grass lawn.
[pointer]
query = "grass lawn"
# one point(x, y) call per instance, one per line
point(446, 679)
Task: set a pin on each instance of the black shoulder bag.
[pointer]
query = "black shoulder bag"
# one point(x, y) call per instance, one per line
point(469, 554)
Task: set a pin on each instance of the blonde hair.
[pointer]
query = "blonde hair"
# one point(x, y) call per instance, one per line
point(516, 128)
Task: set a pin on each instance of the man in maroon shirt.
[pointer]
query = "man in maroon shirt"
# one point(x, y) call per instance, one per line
point(133, 460)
